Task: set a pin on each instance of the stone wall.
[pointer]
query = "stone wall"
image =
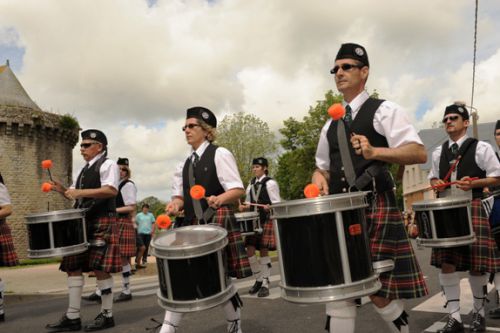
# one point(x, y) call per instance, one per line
point(26, 138)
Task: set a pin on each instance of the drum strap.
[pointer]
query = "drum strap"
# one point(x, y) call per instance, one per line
point(203, 217)
point(345, 153)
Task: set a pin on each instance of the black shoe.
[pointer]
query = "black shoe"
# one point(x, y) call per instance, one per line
point(123, 298)
point(101, 322)
point(478, 323)
point(2, 317)
point(452, 326)
point(92, 298)
point(495, 313)
point(255, 288)
point(263, 292)
point(65, 325)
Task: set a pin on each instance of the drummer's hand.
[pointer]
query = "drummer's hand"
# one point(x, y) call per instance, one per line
point(214, 201)
point(267, 208)
point(243, 208)
point(172, 208)
point(319, 180)
point(435, 182)
point(72, 193)
point(362, 146)
point(465, 183)
point(57, 186)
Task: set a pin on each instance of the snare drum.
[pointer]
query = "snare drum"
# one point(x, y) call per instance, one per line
point(444, 222)
point(323, 249)
point(191, 268)
point(57, 233)
point(249, 223)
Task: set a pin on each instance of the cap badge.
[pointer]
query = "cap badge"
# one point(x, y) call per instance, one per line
point(359, 51)
point(205, 115)
point(93, 135)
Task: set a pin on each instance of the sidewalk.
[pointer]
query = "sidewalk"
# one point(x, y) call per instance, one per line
point(48, 279)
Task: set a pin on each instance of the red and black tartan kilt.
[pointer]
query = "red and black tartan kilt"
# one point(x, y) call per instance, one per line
point(236, 256)
point(389, 240)
point(127, 237)
point(266, 240)
point(105, 258)
point(482, 256)
point(8, 255)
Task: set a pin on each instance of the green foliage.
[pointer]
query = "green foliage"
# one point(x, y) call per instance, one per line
point(300, 138)
point(247, 137)
point(69, 122)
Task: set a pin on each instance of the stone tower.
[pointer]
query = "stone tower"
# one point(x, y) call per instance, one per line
point(29, 135)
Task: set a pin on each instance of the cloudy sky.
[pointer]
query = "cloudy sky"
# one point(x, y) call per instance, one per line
point(131, 68)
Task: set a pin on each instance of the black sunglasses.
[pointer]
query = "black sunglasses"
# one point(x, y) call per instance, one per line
point(345, 67)
point(190, 126)
point(86, 145)
point(451, 118)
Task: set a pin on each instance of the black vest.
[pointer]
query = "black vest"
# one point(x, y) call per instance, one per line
point(205, 174)
point(88, 179)
point(262, 199)
point(119, 198)
point(362, 124)
point(467, 165)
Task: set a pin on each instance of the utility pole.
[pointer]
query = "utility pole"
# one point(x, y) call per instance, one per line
point(475, 118)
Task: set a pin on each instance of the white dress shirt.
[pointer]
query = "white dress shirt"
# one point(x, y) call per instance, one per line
point(390, 120)
point(109, 172)
point(272, 189)
point(4, 196)
point(225, 165)
point(129, 193)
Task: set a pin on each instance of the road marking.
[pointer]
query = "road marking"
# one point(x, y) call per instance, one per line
point(436, 303)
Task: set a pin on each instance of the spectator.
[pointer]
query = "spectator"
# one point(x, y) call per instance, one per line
point(144, 221)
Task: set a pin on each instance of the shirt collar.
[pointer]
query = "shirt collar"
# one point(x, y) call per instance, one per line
point(459, 141)
point(92, 161)
point(201, 149)
point(357, 102)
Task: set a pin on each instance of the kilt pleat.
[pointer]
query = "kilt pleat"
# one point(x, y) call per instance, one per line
point(236, 256)
point(8, 255)
point(481, 256)
point(266, 240)
point(105, 258)
point(389, 240)
point(127, 237)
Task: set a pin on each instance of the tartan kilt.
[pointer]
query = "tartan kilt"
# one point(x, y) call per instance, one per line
point(8, 255)
point(481, 256)
point(266, 240)
point(237, 263)
point(105, 258)
point(127, 236)
point(389, 240)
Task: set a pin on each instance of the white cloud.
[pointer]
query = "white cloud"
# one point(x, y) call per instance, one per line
point(132, 70)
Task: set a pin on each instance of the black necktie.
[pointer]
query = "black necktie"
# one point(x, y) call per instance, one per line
point(454, 149)
point(348, 115)
point(195, 159)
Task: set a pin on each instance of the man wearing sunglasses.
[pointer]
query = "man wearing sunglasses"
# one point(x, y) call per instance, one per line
point(215, 169)
point(459, 159)
point(377, 133)
point(95, 189)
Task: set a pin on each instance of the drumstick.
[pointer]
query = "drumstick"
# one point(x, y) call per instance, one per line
point(452, 168)
point(47, 164)
point(451, 183)
point(254, 204)
point(197, 192)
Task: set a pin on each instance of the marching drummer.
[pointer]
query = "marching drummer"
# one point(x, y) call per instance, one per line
point(459, 159)
point(262, 190)
point(95, 188)
point(215, 169)
point(495, 221)
point(8, 256)
point(378, 133)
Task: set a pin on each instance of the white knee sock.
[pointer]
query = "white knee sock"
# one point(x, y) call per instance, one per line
point(106, 287)
point(342, 316)
point(2, 286)
point(254, 265)
point(75, 289)
point(497, 281)
point(395, 316)
point(233, 317)
point(171, 322)
point(450, 283)
point(265, 267)
point(478, 287)
point(126, 279)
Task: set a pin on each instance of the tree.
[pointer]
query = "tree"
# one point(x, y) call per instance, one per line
point(247, 137)
point(296, 164)
point(156, 206)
